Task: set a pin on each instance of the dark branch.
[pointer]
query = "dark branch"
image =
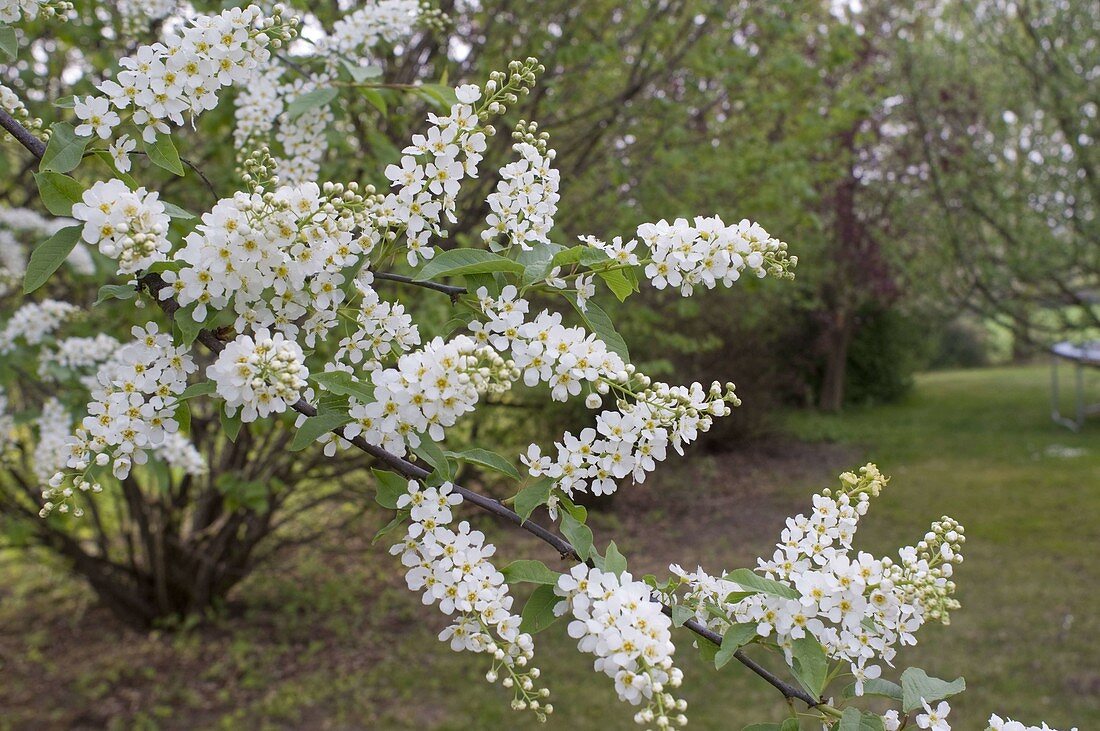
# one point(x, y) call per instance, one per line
point(153, 283)
point(447, 289)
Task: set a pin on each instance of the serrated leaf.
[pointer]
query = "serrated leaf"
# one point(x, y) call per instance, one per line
point(231, 425)
point(876, 686)
point(532, 496)
point(614, 561)
point(810, 665)
point(315, 426)
point(310, 100)
point(182, 416)
point(376, 99)
point(681, 614)
point(65, 150)
point(749, 579)
point(599, 323)
point(344, 384)
point(462, 262)
point(359, 74)
point(736, 637)
point(390, 487)
point(48, 256)
point(175, 211)
point(205, 388)
point(116, 292)
point(917, 684)
point(583, 255)
point(58, 192)
point(529, 572)
point(9, 44)
point(617, 283)
point(579, 534)
point(487, 459)
point(855, 720)
point(443, 97)
point(431, 453)
point(538, 612)
point(189, 329)
point(163, 154)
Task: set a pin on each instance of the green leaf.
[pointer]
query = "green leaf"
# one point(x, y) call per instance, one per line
point(856, 720)
point(530, 572)
point(116, 292)
point(579, 534)
point(65, 150)
point(431, 453)
point(681, 614)
point(163, 153)
point(182, 416)
point(749, 579)
point(487, 459)
point(581, 254)
point(390, 487)
point(707, 650)
point(532, 496)
point(359, 74)
point(459, 262)
point(443, 97)
point(375, 98)
point(231, 425)
point(344, 384)
point(315, 426)
point(58, 192)
point(205, 388)
point(175, 211)
point(48, 256)
point(736, 637)
point(189, 329)
point(8, 42)
point(538, 612)
point(614, 561)
point(617, 283)
point(917, 684)
point(310, 100)
point(66, 102)
point(876, 686)
point(400, 518)
point(810, 665)
point(598, 322)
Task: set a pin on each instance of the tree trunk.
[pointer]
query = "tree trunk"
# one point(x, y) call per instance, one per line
point(838, 338)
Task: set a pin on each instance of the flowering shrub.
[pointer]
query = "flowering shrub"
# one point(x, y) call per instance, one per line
point(266, 303)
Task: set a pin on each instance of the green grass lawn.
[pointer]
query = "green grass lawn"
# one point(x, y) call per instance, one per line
point(331, 639)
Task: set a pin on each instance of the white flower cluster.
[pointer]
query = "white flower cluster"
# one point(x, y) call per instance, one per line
point(13, 105)
point(178, 451)
point(996, 723)
point(262, 113)
point(543, 349)
point(260, 374)
point(526, 198)
point(77, 355)
point(707, 252)
point(162, 82)
point(137, 15)
point(616, 619)
point(634, 438)
point(130, 226)
point(388, 21)
point(382, 329)
point(33, 323)
point(452, 567)
point(54, 429)
point(131, 411)
point(12, 11)
point(276, 256)
point(859, 608)
point(427, 391)
point(431, 171)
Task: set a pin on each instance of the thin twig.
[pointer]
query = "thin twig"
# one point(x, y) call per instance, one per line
point(450, 290)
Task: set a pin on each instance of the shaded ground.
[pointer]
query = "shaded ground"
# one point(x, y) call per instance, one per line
point(331, 639)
